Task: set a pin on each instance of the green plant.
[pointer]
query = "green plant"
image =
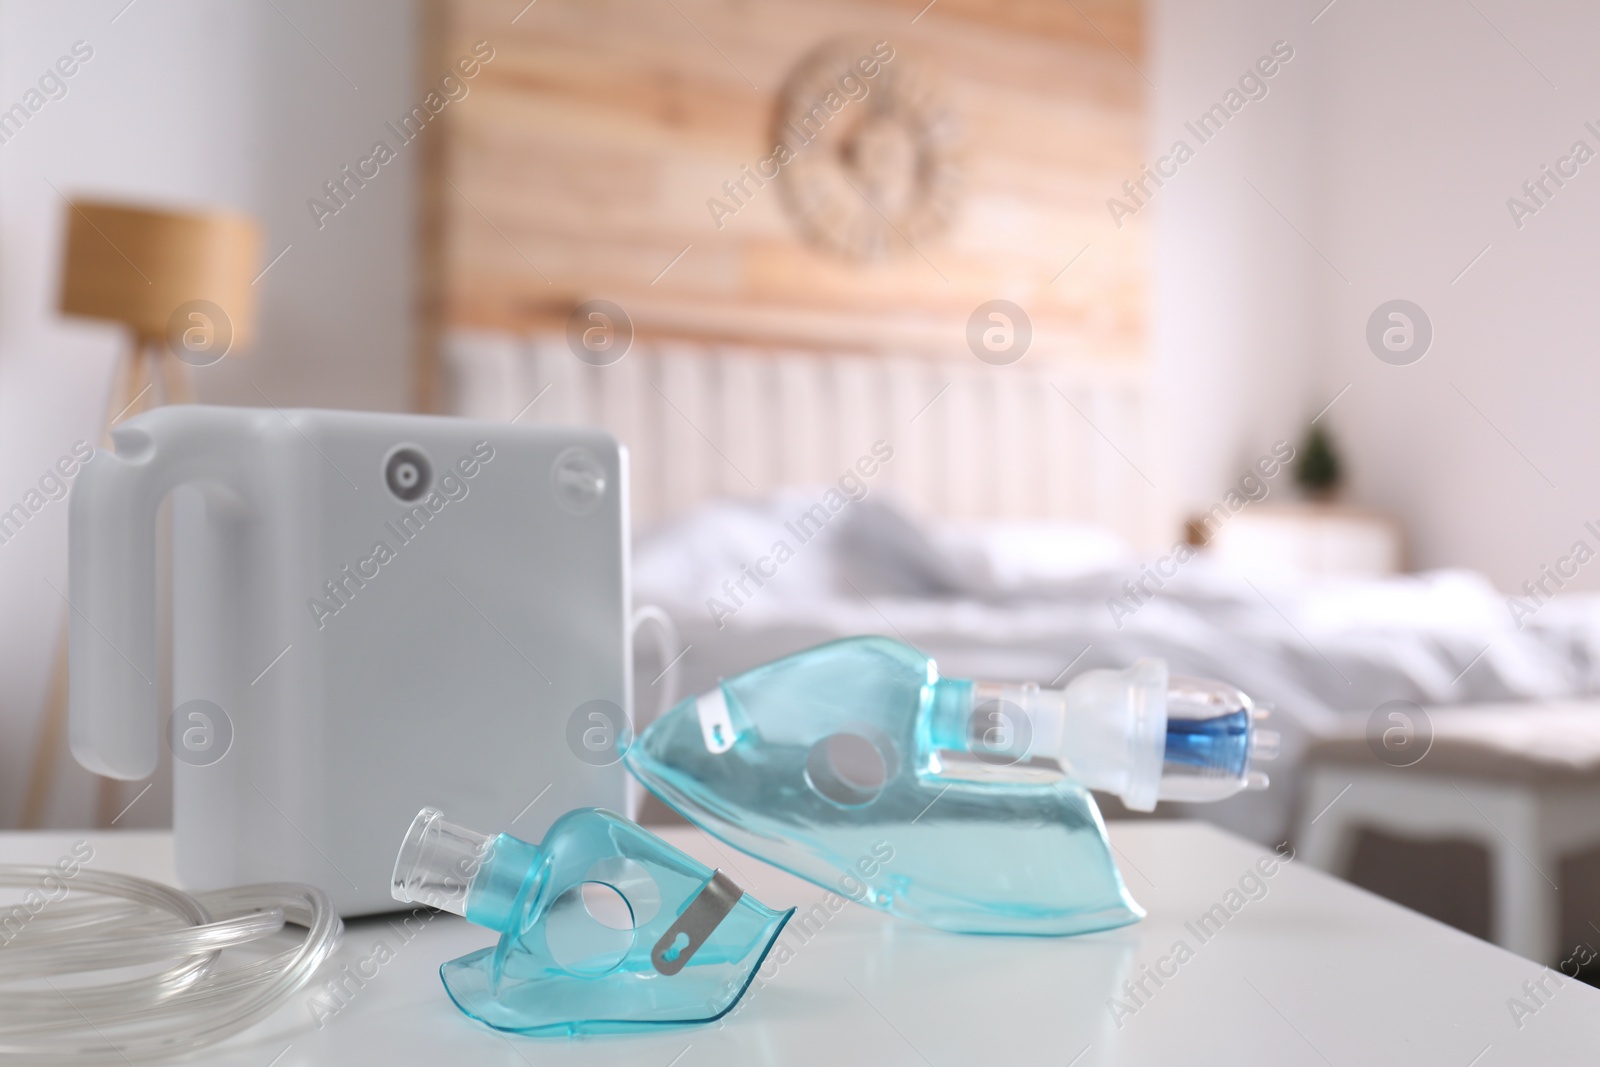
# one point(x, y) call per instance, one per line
point(1319, 471)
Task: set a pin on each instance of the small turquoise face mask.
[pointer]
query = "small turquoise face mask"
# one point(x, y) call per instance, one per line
point(829, 761)
point(604, 927)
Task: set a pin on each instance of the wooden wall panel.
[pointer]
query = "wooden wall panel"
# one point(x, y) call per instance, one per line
point(581, 162)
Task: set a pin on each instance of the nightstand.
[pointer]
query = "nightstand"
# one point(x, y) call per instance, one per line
point(1307, 539)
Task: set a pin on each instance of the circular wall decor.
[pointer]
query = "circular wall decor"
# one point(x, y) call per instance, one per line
point(873, 150)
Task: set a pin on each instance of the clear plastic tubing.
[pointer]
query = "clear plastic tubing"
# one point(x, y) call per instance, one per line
point(178, 1000)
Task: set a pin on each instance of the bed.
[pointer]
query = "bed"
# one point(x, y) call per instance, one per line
point(1012, 512)
point(1028, 600)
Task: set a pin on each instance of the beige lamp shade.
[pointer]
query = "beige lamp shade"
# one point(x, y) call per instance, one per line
point(142, 267)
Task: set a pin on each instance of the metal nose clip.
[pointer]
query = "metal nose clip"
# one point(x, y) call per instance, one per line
point(698, 922)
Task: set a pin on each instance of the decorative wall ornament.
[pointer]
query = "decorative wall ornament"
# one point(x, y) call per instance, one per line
point(874, 165)
point(653, 176)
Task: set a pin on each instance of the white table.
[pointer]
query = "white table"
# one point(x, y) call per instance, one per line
point(1313, 972)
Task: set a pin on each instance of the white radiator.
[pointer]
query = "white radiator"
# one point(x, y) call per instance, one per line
point(1040, 438)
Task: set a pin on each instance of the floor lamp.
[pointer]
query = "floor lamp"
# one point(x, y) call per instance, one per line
point(182, 285)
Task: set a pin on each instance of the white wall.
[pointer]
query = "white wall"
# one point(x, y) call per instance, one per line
point(189, 102)
point(1234, 285)
point(1392, 142)
point(1428, 119)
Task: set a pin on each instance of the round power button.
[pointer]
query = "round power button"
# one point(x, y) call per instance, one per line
point(579, 480)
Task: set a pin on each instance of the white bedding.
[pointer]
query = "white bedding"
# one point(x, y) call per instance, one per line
point(1028, 601)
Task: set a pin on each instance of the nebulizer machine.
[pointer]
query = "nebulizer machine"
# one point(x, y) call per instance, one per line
point(979, 790)
point(370, 612)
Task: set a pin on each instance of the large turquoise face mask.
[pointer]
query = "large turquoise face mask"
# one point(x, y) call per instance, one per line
point(960, 804)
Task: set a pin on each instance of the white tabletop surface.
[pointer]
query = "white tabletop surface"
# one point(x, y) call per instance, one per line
point(1312, 972)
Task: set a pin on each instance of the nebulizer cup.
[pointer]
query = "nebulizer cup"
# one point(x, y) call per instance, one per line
point(1140, 733)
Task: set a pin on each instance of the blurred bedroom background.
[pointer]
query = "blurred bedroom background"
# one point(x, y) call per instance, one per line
point(1058, 333)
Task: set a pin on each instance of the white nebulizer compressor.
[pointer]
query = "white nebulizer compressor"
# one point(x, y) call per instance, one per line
point(371, 612)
